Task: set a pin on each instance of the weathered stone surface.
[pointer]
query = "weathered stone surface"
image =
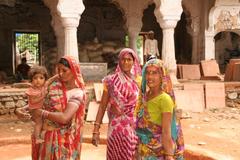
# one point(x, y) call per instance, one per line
point(93, 71)
point(9, 105)
point(20, 103)
point(4, 99)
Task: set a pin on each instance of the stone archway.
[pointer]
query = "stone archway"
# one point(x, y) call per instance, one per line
point(224, 16)
point(102, 20)
point(226, 47)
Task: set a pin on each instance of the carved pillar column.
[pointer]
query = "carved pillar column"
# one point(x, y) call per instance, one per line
point(209, 45)
point(133, 39)
point(168, 14)
point(70, 36)
point(168, 47)
point(70, 12)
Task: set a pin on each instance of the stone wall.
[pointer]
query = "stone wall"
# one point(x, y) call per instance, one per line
point(11, 99)
point(232, 90)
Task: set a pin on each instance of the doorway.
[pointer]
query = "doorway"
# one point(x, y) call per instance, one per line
point(26, 45)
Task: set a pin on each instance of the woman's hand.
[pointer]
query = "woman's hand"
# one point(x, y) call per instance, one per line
point(95, 138)
point(23, 113)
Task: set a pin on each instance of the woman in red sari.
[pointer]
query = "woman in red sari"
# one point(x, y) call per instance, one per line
point(120, 97)
point(62, 115)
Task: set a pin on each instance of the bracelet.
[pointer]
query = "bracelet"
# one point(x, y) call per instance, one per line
point(44, 114)
point(169, 154)
point(96, 132)
point(97, 124)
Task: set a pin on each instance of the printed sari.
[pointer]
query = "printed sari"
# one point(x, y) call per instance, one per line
point(62, 141)
point(149, 129)
point(123, 92)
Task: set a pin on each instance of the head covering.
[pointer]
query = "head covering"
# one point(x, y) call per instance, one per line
point(136, 69)
point(166, 80)
point(123, 90)
point(75, 68)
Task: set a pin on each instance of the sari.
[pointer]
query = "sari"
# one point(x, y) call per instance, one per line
point(123, 92)
point(62, 141)
point(149, 129)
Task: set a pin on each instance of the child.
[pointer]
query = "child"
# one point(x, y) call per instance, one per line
point(36, 94)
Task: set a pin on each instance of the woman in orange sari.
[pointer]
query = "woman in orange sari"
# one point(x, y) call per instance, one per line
point(63, 114)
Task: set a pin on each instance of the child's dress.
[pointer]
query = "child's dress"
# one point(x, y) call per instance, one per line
point(38, 93)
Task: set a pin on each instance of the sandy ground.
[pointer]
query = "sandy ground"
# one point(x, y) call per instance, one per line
point(214, 133)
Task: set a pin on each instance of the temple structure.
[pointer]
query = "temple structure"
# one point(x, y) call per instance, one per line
point(187, 31)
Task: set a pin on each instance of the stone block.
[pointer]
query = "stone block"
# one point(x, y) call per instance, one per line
point(92, 112)
point(230, 69)
point(191, 71)
point(215, 95)
point(93, 71)
point(98, 89)
point(193, 86)
point(210, 68)
point(190, 100)
point(236, 72)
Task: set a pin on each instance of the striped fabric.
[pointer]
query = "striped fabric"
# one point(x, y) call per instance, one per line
point(123, 92)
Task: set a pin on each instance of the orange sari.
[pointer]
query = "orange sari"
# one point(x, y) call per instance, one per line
point(61, 141)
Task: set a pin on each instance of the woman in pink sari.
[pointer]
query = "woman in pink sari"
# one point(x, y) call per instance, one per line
point(62, 115)
point(120, 97)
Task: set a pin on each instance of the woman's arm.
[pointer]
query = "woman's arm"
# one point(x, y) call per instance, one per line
point(99, 117)
point(51, 79)
point(60, 117)
point(64, 117)
point(166, 133)
point(101, 110)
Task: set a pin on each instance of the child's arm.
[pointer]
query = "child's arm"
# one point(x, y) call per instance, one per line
point(51, 79)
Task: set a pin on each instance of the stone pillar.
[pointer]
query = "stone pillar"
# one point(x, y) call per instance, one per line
point(209, 45)
point(133, 34)
point(168, 47)
point(70, 12)
point(195, 34)
point(70, 25)
point(168, 13)
point(66, 17)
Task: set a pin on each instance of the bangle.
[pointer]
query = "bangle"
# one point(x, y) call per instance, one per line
point(44, 114)
point(97, 124)
point(96, 132)
point(169, 154)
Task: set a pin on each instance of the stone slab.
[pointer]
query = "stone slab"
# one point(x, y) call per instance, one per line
point(92, 112)
point(93, 71)
point(191, 71)
point(98, 90)
point(190, 100)
point(215, 95)
point(210, 68)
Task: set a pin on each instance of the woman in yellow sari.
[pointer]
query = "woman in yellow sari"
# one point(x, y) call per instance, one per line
point(160, 136)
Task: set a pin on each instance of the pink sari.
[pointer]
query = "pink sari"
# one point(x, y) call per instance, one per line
point(123, 92)
point(61, 141)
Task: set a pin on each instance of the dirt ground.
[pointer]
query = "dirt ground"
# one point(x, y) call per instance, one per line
point(214, 133)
